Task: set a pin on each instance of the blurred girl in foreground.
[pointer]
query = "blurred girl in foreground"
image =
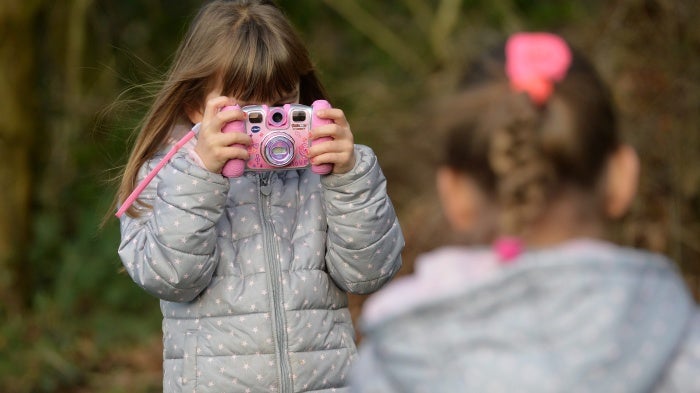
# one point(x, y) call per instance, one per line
point(533, 168)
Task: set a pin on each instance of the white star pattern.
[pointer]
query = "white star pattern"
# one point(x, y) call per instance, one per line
point(239, 248)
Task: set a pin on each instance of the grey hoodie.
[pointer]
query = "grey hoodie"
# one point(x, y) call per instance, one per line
point(585, 316)
point(253, 272)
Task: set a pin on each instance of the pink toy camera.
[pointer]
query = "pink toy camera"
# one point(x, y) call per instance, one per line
point(280, 138)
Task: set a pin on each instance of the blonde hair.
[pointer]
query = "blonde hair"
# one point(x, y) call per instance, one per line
point(246, 47)
point(521, 153)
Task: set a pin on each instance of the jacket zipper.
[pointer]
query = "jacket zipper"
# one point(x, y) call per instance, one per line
point(279, 329)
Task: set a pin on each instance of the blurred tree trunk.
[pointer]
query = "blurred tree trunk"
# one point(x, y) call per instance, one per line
point(19, 123)
point(67, 97)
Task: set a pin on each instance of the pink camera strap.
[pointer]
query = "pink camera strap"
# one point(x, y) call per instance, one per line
point(144, 183)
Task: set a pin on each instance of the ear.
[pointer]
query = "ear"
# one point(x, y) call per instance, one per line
point(459, 197)
point(621, 181)
point(194, 114)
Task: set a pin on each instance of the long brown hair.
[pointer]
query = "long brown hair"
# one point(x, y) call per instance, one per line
point(248, 48)
point(521, 153)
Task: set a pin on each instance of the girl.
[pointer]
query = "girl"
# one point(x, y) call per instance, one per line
point(533, 165)
point(253, 271)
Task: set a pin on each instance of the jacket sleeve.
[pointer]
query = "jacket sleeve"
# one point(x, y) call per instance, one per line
point(364, 237)
point(170, 250)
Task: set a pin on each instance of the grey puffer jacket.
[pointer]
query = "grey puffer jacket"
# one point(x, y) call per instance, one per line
point(253, 272)
point(585, 316)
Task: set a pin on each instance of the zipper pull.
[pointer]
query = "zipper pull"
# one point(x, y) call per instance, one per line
point(265, 187)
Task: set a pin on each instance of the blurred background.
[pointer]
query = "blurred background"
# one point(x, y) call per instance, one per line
point(76, 75)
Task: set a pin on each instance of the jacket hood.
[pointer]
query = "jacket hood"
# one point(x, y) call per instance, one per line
point(585, 316)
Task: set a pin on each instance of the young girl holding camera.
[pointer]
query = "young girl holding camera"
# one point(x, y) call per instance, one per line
point(252, 271)
point(533, 168)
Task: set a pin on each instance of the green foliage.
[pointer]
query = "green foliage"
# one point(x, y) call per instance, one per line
point(84, 307)
point(83, 302)
point(86, 320)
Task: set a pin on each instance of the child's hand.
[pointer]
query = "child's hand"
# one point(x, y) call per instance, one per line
point(341, 150)
point(214, 147)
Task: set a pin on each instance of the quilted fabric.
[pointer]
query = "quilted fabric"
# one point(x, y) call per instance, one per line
point(253, 272)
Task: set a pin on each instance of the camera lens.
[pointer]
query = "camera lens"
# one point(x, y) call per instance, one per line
point(277, 117)
point(278, 149)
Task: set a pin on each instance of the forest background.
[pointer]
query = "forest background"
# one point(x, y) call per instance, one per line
point(75, 77)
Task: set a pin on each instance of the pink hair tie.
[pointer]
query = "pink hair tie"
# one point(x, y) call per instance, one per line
point(535, 61)
point(508, 248)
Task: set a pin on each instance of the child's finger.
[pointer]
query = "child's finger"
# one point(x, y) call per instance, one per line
point(233, 138)
point(328, 130)
point(230, 113)
point(337, 146)
point(233, 152)
point(214, 118)
point(334, 130)
point(335, 114)
point(214, 105)
point(321, 148)
point(342, 161)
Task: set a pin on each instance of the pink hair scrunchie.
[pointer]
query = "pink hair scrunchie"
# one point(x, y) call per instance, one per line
point(535, 61)
point(508, 248)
